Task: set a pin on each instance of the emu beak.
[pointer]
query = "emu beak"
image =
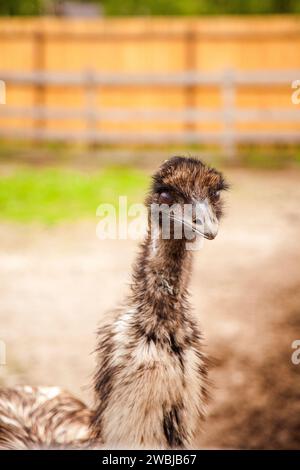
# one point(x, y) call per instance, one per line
point(205, 222)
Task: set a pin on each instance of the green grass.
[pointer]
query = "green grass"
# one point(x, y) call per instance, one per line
point(50, 195)
point(268, 157)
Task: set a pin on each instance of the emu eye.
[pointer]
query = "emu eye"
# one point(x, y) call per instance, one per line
point(216, 194)
point(165, 198)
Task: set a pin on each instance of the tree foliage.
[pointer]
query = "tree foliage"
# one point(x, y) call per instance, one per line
point(160, 7)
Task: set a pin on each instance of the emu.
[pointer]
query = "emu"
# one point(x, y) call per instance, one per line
point(151, 386)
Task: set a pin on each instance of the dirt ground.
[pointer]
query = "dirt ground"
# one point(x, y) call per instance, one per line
point(57, 283)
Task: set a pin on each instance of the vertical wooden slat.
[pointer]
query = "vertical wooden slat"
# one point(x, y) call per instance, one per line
point(91, 106)
point(190, 66)
point(228, 96)
point(39, 64)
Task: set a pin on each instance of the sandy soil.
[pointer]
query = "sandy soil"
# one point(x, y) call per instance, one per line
point(56, 285)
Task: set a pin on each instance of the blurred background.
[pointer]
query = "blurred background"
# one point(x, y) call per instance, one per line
point(97, 94)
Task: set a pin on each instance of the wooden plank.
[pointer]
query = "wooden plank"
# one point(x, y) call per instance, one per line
point(186, 79)
point(121, 114)
point(195, 137)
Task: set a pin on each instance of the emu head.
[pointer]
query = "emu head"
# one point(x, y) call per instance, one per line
point(188, 193)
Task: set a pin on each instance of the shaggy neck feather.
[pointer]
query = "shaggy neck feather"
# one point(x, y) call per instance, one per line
point(160, 278)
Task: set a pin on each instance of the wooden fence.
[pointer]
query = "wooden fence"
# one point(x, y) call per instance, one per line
point(151, 81)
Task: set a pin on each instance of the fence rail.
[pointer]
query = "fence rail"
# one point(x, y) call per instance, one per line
point(228, 114)
point(238, 78)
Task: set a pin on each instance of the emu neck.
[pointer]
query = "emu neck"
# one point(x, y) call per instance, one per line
point(160, 279)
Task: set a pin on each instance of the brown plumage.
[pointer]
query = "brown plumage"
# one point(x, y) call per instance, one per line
point(151, 379)
point(151, 382)
point(37, 417)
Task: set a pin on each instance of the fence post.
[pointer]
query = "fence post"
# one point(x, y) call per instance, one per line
point(39, 60)
point(190, 67)
point(91, 107)
point(228, 96)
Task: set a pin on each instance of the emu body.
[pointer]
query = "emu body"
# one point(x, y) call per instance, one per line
point(151, 382)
